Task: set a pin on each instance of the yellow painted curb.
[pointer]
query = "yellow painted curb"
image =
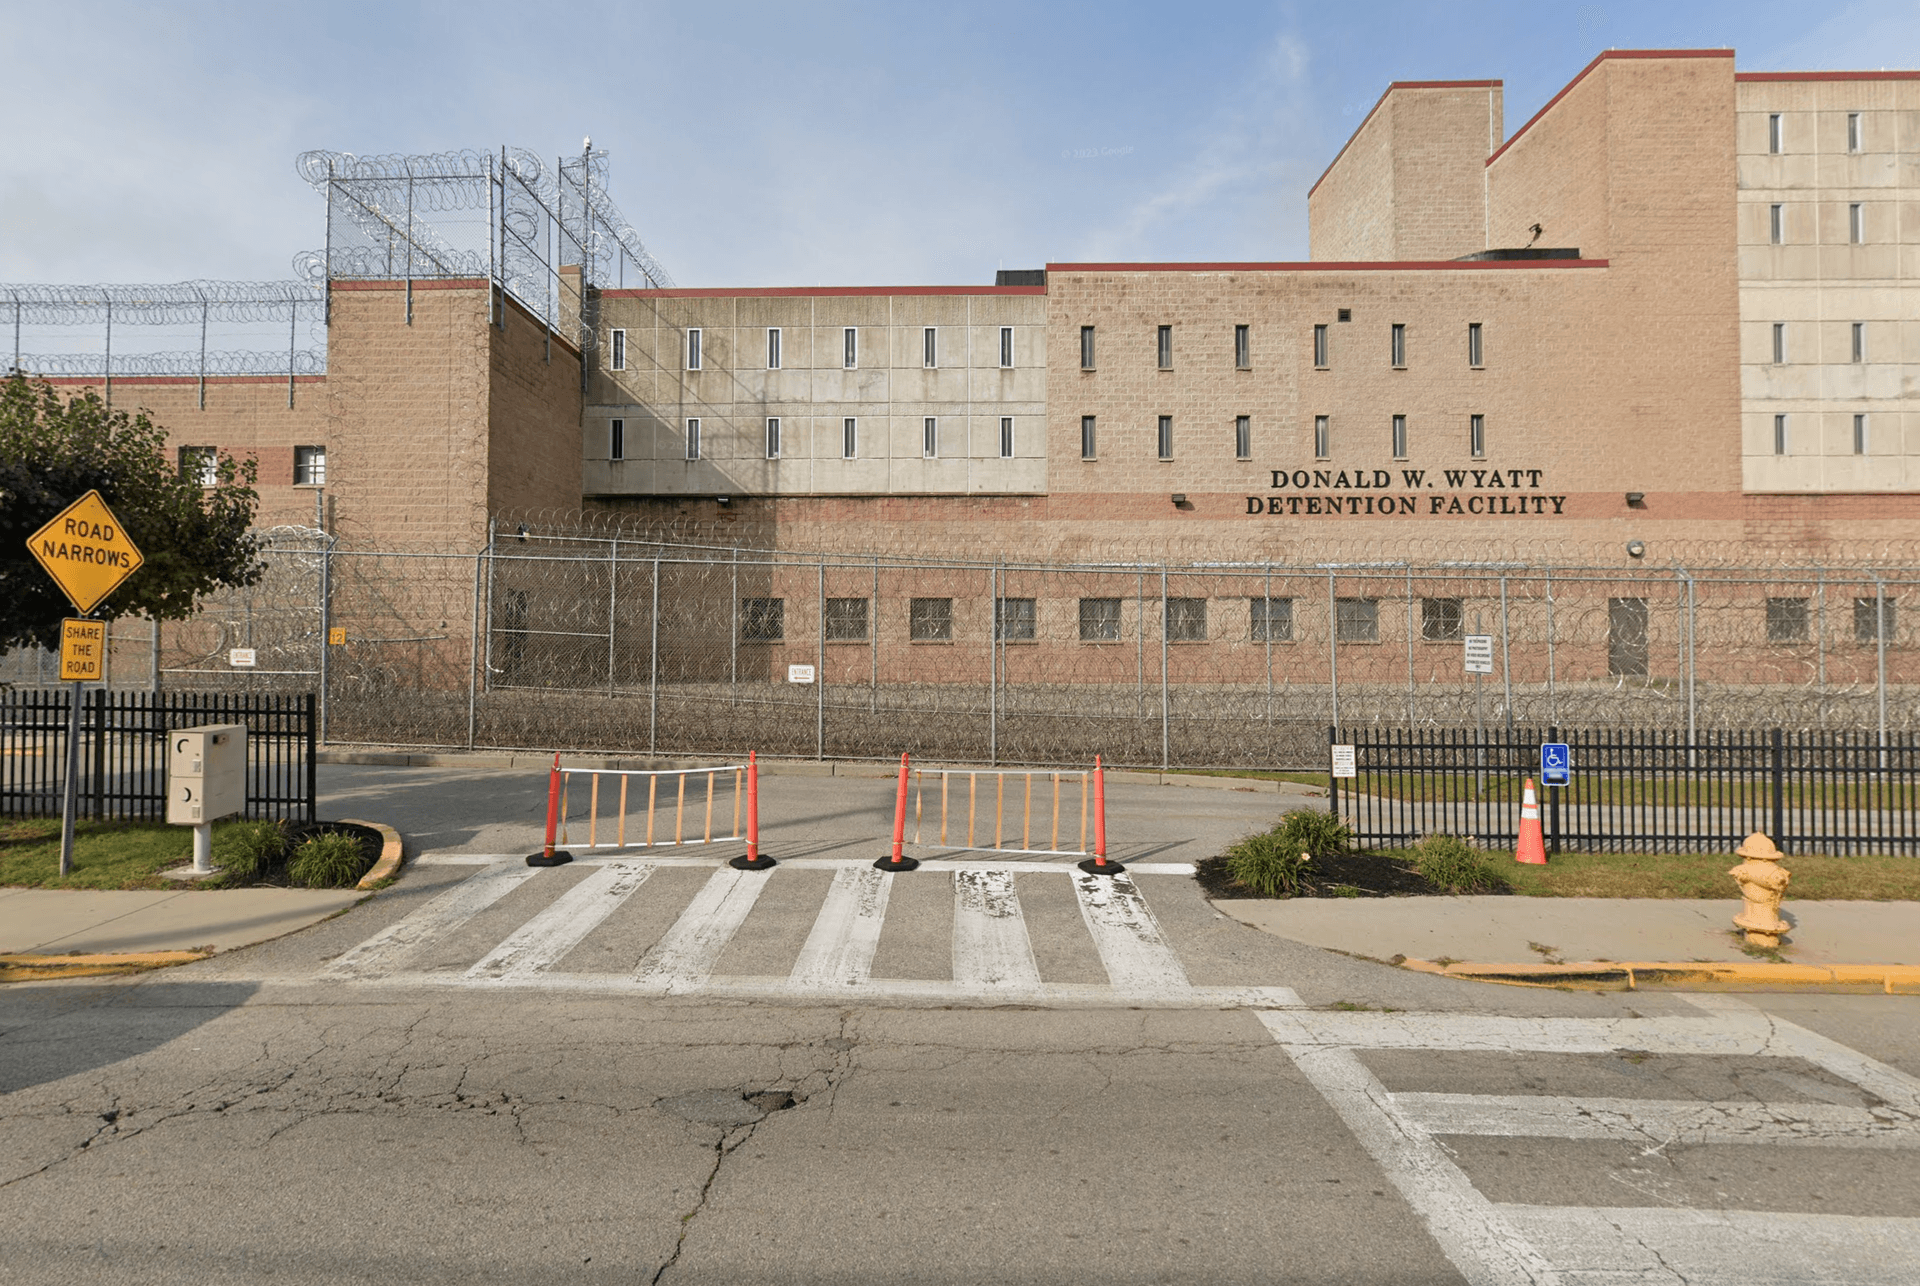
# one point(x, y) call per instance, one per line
point(26, 966)
point(1683, 975)
point(389, 863)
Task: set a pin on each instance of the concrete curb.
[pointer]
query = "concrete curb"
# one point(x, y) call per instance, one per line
point(27, 966)
point(1684, 975)
point(769, 767)
point(390, 853)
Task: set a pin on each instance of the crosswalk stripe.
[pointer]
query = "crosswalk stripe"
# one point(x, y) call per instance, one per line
point(1126, 934)
point(541, 942)
point(990, 943)
point(685, 956)
point(839, 950)
point(391, 946)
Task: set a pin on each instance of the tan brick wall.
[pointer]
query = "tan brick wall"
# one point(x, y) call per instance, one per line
point(533, 417)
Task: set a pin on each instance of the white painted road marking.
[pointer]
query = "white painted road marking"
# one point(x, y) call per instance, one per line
point(990, 943)
point(541, 942)
point(1131, 947)
point(839, 951)
point(1661, 1121)
point(684, 958)
point(388, 949)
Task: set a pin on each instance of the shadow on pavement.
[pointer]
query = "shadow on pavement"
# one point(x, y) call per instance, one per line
point(50, 1032)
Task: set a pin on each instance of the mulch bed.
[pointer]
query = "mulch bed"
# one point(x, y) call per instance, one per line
point(1333, 875)
point(372, 843)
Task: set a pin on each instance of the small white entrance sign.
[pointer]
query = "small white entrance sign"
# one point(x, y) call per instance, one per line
point(1343, 762)
point(799, 674)
point(241, 657)
point(1479, 654)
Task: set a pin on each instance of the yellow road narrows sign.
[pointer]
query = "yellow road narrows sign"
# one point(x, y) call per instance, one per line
point(83, 651)
point(86, 551)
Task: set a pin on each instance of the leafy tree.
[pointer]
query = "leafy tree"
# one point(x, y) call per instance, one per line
point(195, 540)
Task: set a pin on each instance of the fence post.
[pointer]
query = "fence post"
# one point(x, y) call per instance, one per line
point(1166, 739)
point(313, 762)
point(820, 664)
point(326, 625)
point(993, 667)
point(1333, 782)
point(653, 668)
point(1779, 790)
point(1880, 658)
point(1553, 705)
point(613, 602)
point(473, 656)
point(99, 753)
point(1409, 645)
point(1333, 653)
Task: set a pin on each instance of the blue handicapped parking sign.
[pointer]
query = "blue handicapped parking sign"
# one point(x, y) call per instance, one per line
point(1556, 764)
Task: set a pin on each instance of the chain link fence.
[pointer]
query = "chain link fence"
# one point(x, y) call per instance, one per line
point(665, 646)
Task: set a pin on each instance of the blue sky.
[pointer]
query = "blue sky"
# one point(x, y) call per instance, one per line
point(786, 144)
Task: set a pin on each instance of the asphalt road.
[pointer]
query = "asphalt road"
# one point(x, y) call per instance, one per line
point(273, 1115)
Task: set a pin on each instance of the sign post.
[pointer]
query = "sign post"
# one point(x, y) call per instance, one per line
point(1479, 663)
point(1556, 770)
point(88, 554)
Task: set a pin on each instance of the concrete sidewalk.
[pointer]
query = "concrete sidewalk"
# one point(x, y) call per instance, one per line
point(1528, 930)
point(57, 921)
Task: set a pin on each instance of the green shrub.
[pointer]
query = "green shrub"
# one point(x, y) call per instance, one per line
point(1308, 830)
point(328, 862)
point(1450, 863)
point(1268, 864)
point(247, 851)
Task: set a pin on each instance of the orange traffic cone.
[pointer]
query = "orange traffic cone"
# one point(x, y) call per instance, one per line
point(1533, 846)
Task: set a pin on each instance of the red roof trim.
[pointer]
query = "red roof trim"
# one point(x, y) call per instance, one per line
point(419, 283)
point(1398, 84)
point(1826, 75)
point(175, 379)
point(1611, 53)
point(1411, 265)
point(765, 292)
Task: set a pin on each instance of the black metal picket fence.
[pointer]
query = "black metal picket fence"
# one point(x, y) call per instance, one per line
point(123, 750)
point(1637, 790)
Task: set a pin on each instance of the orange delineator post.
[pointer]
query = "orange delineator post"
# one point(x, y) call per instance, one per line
point(754, 860)
point(897, 860)
point(1532, 848)
point(546, 856)
point(1098, 863)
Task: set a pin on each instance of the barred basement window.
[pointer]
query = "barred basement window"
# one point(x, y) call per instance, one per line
point(1322, 437)
point(930, 620)
point(1477, 436)
point(1857, 223)
point(1776, 133)
point(1099, 620)
point(1088, 440)
point(1777, 223)
point(1356, 620)
point(1787, 620)
point(1397, 343)
point(1859, 435)
point(618, 350)
point(930, 347)
point(1474, 356)
point(693, 349)
point(693, 439)
point(1243, 348)
point(846, 620)
point(773, 348)
point(1164, 348)
point(200, 464)
point(1854, 132)
point(1272, 619)
point(1399, 437)
point(1006, 437)
point(1006, 346)
point(1243, 437)
point(1165, 437)
point(1186, 620)
point(763, 620)
point(1440, 619)
point(773, 437)
point(1086, 348)
point(849, 438)
point(616, 439)
point(850, 351)
point(930, 438)
point(1869, 618)
point(1014, 620)
point(1779, 435)
point(1320, 346)
point(310, 466)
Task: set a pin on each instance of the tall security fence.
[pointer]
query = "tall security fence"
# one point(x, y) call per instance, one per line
point(123, 750)
point(1638, 790)
point(666, 647)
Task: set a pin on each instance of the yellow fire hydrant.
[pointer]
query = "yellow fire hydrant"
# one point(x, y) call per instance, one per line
point(1763, 882)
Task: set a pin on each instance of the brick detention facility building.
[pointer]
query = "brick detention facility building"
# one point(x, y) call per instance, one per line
point(1670, 320)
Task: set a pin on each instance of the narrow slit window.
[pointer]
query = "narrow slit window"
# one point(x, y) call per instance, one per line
point(1859, 435)
point(1776, 134)
point(1475, 356)
point(1243, 348)
point(1320, 346)
point(1088, 439)
point(1165, 437)
point(1477, 436)
point(773, 437)
point(1779, 343)
point(930, 347)
point(1163, 346)
point(1397, 344)
point(1243, 437)
point(616, 439)
point(1399, 437)
point(693, 349)
point(617, 350)
point(1779, 435)
point(693, 439)
point(850, 347)
point(1859, 341)
point(1006, 437)
point(1322, 437)
point(1086, 348)
point(1777, 224)
point(773, 348)
point(1857, 223)
point(930, 437)
point(1854, 132)
point(849, 438)
point(1006, 346)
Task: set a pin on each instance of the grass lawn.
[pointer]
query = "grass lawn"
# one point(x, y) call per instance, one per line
point(106, 855)
point(1703, 875)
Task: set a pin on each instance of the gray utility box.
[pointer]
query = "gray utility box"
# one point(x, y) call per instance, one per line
point(206, 772)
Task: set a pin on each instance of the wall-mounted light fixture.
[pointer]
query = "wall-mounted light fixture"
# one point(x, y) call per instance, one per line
point(1635, 549)
point(723, 501)
point(1179, 499)
point(1635, 499)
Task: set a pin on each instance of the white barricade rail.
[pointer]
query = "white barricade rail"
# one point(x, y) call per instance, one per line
point(959, 828)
